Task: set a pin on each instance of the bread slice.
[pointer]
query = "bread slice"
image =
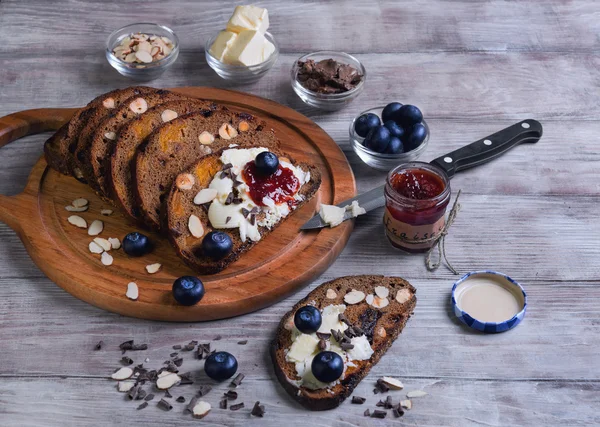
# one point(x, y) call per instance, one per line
point(77, 159)
point(56, 148)
point(103, 139)
point(130, 137)
point(175, 147)
point(180, 205)
point(380, 325)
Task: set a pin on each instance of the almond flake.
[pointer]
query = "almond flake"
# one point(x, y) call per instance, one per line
point(103, 243)
point(114, 242)
point(153, 268)
point(168, 115)
point(205, 195)
point(106, 258)
point(167, 381)
point(95, 248)
point(132, 291)
point(75, 209)
point(130, 58)
point(331, 294)
point(96, 227)
point(377, 302)
point(403, 295)
point(406, 404)
point(393, 383)
point(416, 393)
point(381, 332)
point(185, 181)
point(125, 386)
point(354, 297)
point(144, 46)
point(144, 56)
point(77, 221)
point(79, 203)
point(206, 138)
point(382, 291)
point(106, 212)
point(195, 226)
point(139, 105)
point(226, 131)
point(110, 135)
point(122, 374)
point(201, 409)
point(109, 103)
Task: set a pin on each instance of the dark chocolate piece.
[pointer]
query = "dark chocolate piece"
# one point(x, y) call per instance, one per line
point(367, 413)
point(378, 414)
point(190, 406)
point(168, 394)
point(237, 380)
point(142, 405)
point(180, 399)
point(398, 411)
point(204, 390)
point(178, 361)
point(323, 335)
point(243, 342)
point(223, 404)
point(189, 347)
point(237, 406)
point(231, 395)
point(381, 386)
point(258, 410)
point(380, 404)
point(126, 360)
point(388, 403)
point(327, 76)
point(140, 394)
point(133, 392)
point(174, 354)
point(99, 345)
point(177, 347)
point(322, 345)
point(227, 219)
point(346, 346)
point(164, 405)
point(149, 397)
point(357, 400)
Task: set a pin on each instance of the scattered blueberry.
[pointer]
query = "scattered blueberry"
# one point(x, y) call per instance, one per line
point(220, 366)
point(365, 123)
point(394, 128)
point(408, 115)
point(188, 290)
point(327, 366)
point(216, 245)
point(395, 146)
point(267, 163)
point(390, 111)
point(308, 319)
point(415, 137)
point(136, 244)
point(378, 139)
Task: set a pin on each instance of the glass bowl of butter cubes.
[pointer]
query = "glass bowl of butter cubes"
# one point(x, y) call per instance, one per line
point(243, 52)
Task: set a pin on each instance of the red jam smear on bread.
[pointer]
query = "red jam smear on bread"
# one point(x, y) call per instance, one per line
point(280, 186)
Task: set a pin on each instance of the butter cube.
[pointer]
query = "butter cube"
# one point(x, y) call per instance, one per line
point(248, 18)
point(222, 43)
point(248, 48)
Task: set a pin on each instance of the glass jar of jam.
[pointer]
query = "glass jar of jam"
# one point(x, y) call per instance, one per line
point(416, 197)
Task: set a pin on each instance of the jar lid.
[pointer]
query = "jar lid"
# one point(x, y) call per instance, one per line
point(489, 301)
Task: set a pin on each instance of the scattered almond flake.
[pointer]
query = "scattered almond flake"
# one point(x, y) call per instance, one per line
point(153, 268)
point(106, 258)
point(103, 243)
point(125, 386)
point(226, 131)
point(381, 332)
point(168, 115)
point(106, 212)
point(289, 324)
point(206, 138)
point(96, 227)
point(95, 248)
point(167, 381)
point(132, 291)
point(393, 383)
point(406, 404)
point(382, 291)
point(354, 297)
point(185, 181)
point(416, 393)
point(138, 105)
point(74, 209)
point(331, 294)
point(79, 203)
point(109, 103)
point(77, 221)
point(144, 56)
point(122, 374)
point(201, 409)
point(205, 195)
point(195, 226)
point(377, 302)
point(403, 295)
point(114, 242)
point(110, 135)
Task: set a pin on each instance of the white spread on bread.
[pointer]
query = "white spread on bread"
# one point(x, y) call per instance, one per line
point(223, 216)
point(305, 347)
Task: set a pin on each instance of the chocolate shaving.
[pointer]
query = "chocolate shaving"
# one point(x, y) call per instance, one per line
point(142, 405)
point(236, 183)
point(398, 411)
point(258, 410)
point(237, 201)
point(149, 397)
point(137, 347)
point(204, 390)
point(323, 335)
point(127, 345)
point(227, 219)
point(342, 318)
point(99, 345)
point(133, 392)
point(217, 338)
point(380, 404)
point(231, 395)
point(186, 378)
point(252, 219)
point(357, 400)
point(388, 403)
point(322, 345)
point(346, 346)
point(178, 361)
point(367, 413)
point(177, 347)
point(180, 399)
point(381, 386)
point(237, 406)
point(168, 395)
point(190, 406)
point(243, 342)
point(173, 354)
point(254, 210)
point(223, 404)
point(336, 335)
point(140, 394)
point(229, 199)
point(378, 414)
point(245, 212)
point(164, 405)
point(126, 360)
point(226, 166)
point(189, 347)
point(237, 380)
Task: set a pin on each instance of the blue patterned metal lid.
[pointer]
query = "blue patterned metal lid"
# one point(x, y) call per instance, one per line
point(490, 327)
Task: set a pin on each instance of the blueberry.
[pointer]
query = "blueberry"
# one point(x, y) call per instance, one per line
point(188, 290)
point(327, 366)
point(365, 123)
point(136, 244)
point(267, 163)
point(378, 139)
point(394, 129)
point(395, 146)
point(220, 366)
point(308, 319)
point(216, 245)
point(408, 115)
point(415, 137)
point(390, 111)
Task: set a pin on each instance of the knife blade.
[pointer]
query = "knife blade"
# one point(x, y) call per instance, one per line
point(476, 153)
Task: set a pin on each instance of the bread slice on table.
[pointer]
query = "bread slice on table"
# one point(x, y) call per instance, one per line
point(77, 160)
point(56, 148)
point(130, 137)
point(182, 204)
point(176, 146)
point(380, 315)
point(103, 139)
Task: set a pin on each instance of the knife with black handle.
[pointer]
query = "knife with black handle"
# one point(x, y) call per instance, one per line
point(474, 154)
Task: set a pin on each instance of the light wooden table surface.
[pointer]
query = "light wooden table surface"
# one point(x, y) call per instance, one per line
point(473, 67)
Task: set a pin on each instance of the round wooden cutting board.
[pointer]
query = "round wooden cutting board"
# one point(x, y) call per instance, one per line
point(280, 264)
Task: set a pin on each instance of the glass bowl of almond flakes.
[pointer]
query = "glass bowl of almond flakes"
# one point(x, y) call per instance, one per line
point(142, 51)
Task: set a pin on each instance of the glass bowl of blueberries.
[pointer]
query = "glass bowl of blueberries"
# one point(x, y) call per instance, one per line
point(384, 137)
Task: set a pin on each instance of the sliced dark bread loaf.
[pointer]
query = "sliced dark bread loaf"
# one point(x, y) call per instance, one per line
point(130, 137)
point(77, 161)
point(103, 139)
point(57, 146)
point(380, 323)
point(176, 146)
point(180, 206)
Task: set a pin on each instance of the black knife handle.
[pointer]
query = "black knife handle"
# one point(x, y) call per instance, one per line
point(490, 147)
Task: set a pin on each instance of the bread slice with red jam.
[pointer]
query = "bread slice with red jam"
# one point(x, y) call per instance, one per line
point(360, 317)
point(227, 194)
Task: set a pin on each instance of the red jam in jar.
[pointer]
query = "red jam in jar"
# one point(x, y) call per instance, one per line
point(416, 197)
point(280, 186)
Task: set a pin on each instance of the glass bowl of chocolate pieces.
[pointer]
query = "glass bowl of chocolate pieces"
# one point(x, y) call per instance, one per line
point(328, 80)
point(142, 51)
